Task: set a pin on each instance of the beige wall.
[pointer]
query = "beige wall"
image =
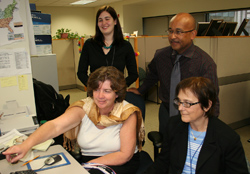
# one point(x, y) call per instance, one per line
point(132, 22)
point(159, 8)
point(82, 19)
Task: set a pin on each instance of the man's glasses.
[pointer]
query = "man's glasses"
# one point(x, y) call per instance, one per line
point(184, 104)
point(178, 32)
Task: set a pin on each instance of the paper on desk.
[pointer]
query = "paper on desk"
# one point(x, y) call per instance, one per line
point(43, 146)
point(39, 162)
point(7, 140)
point(8, 136)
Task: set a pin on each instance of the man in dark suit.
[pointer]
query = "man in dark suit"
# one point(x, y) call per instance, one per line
point(194, 62)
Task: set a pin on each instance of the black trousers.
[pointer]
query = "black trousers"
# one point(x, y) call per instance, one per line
point(128, 168)
point(163, 118)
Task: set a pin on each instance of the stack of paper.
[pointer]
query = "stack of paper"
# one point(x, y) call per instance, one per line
point(8, 140)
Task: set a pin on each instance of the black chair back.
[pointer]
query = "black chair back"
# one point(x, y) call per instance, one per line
point(136, 100)
point(145, 159)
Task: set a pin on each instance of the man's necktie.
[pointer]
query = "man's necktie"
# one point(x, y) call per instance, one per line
point(175, 79)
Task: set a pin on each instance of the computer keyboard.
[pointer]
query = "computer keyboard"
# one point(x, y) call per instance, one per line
point(24, 172)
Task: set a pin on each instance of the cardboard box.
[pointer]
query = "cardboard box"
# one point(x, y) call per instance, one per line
point(40, 18)
point(41, 23)
point(43, 44)
point(42, 29)
point(32, 7)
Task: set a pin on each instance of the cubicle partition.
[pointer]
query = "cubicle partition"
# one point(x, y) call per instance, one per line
point(67, 54)
point(232, 56)
point(44, 69)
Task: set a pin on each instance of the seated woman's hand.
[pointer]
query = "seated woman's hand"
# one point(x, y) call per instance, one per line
point(15, 153)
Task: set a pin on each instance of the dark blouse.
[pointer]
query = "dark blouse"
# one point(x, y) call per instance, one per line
point(119, 56)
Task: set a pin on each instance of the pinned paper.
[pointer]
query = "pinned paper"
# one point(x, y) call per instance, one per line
point(8, 81)
point(23, 82)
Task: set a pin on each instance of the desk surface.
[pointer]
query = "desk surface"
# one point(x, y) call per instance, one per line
point(74, 167)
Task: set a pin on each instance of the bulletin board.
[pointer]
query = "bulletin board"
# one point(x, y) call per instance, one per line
point(16, 46)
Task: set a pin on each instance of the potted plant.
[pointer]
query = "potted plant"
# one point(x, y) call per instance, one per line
point(61, 33)
point(74, 35)
point(65, 33)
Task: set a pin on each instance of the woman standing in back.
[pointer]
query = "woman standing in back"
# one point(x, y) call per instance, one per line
point(107, 48)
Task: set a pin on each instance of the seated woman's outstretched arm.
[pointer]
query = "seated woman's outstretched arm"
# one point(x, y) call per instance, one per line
point(128, 144)
point(70, 119)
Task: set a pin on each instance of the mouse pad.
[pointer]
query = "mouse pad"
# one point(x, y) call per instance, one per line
point(39, 162)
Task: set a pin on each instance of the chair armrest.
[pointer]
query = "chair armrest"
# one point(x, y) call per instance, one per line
point(156, 137)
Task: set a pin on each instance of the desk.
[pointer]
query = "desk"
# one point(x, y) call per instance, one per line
point(74, 167)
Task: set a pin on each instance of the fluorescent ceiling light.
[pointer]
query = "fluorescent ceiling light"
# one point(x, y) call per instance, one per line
point(82, 2)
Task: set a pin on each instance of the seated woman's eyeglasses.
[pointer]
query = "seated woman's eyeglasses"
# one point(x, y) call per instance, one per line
point(178, 32)
point(184, 104)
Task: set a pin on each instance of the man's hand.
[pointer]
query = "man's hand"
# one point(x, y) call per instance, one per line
point(134, 90)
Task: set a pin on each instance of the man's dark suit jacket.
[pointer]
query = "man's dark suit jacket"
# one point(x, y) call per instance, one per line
point(221, 153)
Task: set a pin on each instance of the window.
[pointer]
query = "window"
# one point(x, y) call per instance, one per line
point(232, 16)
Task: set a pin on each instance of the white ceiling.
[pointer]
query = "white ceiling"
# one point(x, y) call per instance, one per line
point(66, 3)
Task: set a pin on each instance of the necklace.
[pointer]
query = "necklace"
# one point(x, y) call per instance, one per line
point(107, 47)
point(112, 59)
point(195, 138)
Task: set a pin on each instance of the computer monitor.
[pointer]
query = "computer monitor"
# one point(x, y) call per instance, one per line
point(202, 28)
point(242, 28)
point(214, 26)
point(228, 28)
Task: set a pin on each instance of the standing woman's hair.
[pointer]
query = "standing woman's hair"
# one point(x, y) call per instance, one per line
point(118, 36)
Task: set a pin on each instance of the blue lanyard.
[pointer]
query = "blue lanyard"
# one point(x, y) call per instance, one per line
point(191, 158)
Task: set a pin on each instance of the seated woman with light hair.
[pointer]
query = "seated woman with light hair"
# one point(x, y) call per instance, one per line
point(108, 129)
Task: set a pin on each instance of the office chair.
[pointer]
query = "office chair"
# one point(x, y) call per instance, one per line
point(142, 75)
point(145, 159)
point(157, 85)
point(157, 139)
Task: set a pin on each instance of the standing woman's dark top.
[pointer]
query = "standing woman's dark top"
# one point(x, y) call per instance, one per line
point(107, 48)
point(119, 56)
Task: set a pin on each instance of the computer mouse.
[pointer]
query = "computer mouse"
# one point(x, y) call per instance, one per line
point(52, 160)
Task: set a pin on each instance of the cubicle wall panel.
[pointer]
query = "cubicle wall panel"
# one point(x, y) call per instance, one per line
point(205, 44)
point(233, 56)
point(154, 43)
point(76, 62)
point(48, 62)
point(65, 62)
point(142, 51)
point(235, 102)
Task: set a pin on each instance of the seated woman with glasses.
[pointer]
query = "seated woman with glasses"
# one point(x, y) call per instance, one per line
point(108, 129)
point(197, 142)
